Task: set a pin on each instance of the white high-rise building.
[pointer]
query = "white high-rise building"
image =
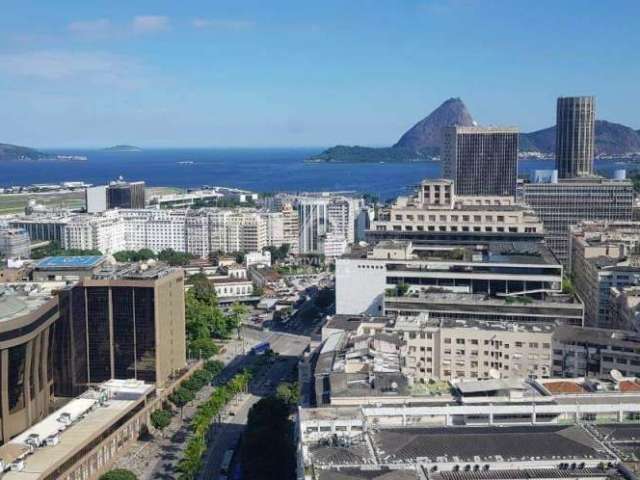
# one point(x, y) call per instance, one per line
point(96, 198)
point(327, 214)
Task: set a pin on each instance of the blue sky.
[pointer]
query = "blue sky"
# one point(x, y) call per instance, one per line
point(302, 73)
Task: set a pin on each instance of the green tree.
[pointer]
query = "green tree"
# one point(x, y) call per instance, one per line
point(181, 397)
point(238, 313)
point(288, 393)
point(267, 451)
point(174, 258)
point(214, 367)
point(160, 419)
point(203, 347)
point(119, 474)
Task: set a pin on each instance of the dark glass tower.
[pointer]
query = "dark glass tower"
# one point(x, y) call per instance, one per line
point(481, 160)
point(575, 124)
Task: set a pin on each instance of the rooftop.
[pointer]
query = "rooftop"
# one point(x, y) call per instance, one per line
point(18, 299)
point(150, 270)
point(486, 443)
point(73, 427)
point(71, 263)
point(525, 253)
point(350, 323)
point(421, 321)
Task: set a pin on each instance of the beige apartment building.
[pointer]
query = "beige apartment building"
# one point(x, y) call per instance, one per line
point(603, 255)
point(446, 349)
point(435, 209)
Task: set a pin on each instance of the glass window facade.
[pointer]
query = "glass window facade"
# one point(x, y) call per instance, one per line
point(145, 334)
point(16, 373)
point(123, 332)
point(99, 334)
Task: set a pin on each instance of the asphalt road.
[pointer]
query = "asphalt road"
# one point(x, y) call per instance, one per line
point(226, 434)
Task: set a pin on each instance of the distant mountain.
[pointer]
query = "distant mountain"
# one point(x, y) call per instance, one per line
point(13, 153)
point(420, 142)
point(123, 148)
point(426, 135)
point(355, 154)
point(611, 139)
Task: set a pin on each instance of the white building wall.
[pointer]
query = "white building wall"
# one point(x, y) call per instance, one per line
point(360, 286)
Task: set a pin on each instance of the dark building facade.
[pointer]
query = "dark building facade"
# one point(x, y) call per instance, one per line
point(122, 194)
point(481, 161)
point(575, 130)
point(123, 324)
point(566, 203)
point(27, 323)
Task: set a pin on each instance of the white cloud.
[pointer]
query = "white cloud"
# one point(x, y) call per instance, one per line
point(98, 68)
point(150, 24)
point(91, 28)
point(222, 24)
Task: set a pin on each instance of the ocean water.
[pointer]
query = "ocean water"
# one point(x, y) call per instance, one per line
point(261, 170)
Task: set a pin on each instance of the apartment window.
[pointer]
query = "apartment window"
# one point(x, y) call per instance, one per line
point(533, 345)
point(421, 218)
point(399, 217)
point(477, 218)
point(460, 341)
point(519, 345)
point(500, 218)
point(465, 218)
point(420, 228)
point(447, 341)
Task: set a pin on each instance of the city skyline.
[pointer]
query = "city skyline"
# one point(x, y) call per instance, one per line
point(155, 74)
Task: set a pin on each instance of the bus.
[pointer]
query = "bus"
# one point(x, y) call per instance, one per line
point(226, 462)
point(261, 348)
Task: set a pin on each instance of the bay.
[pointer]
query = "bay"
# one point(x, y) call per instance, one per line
point(261, 170)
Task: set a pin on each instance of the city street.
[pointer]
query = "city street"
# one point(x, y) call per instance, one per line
point(156, 459)
point(227, 433)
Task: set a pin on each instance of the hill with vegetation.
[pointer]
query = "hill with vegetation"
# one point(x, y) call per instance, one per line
point(16, 153)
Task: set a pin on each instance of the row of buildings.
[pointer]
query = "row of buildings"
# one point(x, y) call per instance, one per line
point(309, 224)
point(489, 330)
point(198, 232)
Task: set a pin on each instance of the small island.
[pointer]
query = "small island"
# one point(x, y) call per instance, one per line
point(122, 148)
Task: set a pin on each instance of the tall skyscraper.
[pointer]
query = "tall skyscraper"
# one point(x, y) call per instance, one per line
point(121, 194)
point(575, 123)
point(96, 198)
point(122, 322)
point(481, 161)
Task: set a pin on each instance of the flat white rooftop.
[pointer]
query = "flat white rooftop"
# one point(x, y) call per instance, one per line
point(88, 420)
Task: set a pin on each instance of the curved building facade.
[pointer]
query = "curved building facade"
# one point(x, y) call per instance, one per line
point(575, 131)
point(26, 374)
